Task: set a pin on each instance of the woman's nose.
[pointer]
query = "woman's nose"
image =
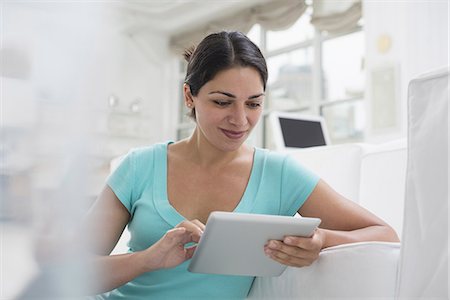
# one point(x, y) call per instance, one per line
point(238, 116)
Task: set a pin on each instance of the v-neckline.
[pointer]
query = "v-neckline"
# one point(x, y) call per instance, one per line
point(160, 195)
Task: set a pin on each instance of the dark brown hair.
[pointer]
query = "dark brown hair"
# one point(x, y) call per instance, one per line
point(218, 52)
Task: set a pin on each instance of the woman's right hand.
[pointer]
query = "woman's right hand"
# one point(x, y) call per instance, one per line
point(170, 250)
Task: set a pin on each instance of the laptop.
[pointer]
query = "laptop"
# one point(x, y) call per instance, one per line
point(294, 130)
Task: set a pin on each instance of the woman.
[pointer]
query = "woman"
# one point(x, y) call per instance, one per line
point(165, 193)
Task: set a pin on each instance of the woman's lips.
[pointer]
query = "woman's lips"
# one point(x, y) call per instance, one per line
point(235, 135)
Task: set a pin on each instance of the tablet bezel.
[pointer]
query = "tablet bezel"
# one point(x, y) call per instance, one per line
point(233, 243)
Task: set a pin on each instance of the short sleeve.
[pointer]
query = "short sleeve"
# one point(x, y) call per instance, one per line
point(121, 180)
point(297, 183)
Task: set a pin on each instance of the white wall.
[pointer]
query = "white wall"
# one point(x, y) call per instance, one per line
point(419, 37)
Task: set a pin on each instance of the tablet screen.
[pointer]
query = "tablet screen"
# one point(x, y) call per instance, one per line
point(233, 243)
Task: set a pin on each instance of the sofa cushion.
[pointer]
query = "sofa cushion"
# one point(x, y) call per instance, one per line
point(382, 182)
point(351, 271)
point(338, 165)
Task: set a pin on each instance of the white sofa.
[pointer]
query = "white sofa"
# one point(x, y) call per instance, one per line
point(374, 177)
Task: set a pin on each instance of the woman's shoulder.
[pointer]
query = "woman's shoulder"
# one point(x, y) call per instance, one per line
point(145, 155)
point(270, 155)
point(149, 150)
point(277, 160)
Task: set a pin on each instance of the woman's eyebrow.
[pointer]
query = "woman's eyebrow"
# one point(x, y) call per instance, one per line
point(223, 93)
point(233, 96)
point(256, 96)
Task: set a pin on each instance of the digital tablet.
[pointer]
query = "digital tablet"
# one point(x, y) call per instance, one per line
point(233, 243)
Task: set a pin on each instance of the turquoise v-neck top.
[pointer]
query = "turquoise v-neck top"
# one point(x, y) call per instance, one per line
point(278, 185)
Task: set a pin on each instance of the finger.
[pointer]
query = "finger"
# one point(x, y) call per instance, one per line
point(291, 250)
point(307, 243)
point(194, 230)
point(190, 237)
point(190, 226)
point(199, 224)
point(291, 261)
point(175, 236)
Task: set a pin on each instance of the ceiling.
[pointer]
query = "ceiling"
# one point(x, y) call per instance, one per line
point(175, 16)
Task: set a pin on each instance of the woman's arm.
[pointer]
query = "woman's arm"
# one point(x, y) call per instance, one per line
point(104, 225)
point(343, 222)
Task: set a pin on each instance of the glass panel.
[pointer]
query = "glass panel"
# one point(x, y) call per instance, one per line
point(255, 35)
point(343, 59)
point(345, 121)
point(300, 31)
point(290, 79)
point(183, 67)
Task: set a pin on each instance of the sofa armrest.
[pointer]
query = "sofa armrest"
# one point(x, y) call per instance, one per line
point(358, 270)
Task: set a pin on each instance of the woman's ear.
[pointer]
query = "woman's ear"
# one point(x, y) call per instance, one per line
point(188, 98)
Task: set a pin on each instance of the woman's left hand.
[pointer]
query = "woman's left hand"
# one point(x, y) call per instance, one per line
point(296, 251)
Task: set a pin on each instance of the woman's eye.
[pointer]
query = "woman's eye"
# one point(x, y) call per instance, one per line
point(254, 105)
point(221, 103)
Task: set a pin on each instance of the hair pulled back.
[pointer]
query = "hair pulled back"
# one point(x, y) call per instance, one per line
point(218, 52)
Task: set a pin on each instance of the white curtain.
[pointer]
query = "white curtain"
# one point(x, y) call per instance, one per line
point(336, 16)
point(274, 15)
point(328, 15)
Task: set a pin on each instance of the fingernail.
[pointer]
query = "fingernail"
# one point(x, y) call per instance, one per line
point(288, 240)
point(273, 245)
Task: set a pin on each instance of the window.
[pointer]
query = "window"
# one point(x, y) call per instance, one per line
point(310, 72)
point(290, 79)
point(316, 73)
point(342, 60)
point(299, 32)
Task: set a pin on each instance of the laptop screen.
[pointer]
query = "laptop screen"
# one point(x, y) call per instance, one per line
point(299, 133)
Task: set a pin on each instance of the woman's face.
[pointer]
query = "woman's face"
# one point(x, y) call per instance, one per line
point(228, 107)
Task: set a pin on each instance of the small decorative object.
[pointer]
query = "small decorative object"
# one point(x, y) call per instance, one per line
point(113, 101)
point(384, 43)
point(135, 105)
